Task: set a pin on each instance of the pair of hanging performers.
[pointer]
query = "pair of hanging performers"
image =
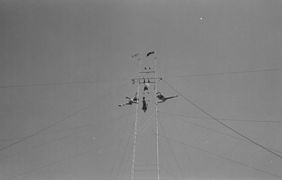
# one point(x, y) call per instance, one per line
point(135, 100)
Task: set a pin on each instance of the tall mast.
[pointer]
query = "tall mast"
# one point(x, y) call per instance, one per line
point(147, 89)
point(132, 171)
point(157, 122)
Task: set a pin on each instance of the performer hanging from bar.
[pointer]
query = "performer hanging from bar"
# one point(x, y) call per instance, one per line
point(144, 104)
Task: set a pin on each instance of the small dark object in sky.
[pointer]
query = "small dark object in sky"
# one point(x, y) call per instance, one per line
point(135, 55)
point(150, 53)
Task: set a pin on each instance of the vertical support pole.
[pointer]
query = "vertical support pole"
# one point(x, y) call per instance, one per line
point(132, 171)
point(157, 122)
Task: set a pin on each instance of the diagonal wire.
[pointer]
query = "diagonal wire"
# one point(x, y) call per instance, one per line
point(173, 153)
point(60, 160)
point(52, 84)
point(223, 73)
point(20, 140)
point(78, 129)
point(122, 157)
point(75, 155)
point(223, 124)
point(222, 119)
point(67, 129)
point(48, 84)
point(45, 128)
point(164, 169)
point(113, 166)
point(75, 128)
point(222, 157)
point(216, 131)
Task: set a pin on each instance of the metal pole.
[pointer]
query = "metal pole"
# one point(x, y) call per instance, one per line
point(135, 136)
point(157, 123)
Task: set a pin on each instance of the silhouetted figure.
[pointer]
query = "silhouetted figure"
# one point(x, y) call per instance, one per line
point(144, 105)
point(146, 87)
point(162, 98)
point(131, 101)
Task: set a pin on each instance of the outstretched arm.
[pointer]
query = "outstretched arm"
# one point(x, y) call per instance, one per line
point(171, 97)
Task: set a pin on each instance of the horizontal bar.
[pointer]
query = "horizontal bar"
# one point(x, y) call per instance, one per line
point(159, 78)
point(147, 72)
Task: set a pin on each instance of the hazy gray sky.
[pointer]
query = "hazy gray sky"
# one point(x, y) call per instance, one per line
point(66, 65)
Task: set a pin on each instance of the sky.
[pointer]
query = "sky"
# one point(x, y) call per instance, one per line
point(65, 65)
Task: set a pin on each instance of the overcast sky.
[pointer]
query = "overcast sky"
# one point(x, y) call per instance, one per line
point(65, 65)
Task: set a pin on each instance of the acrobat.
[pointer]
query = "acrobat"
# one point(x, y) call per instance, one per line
point(131, 101)
point(144, 105)
point(162, 98)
